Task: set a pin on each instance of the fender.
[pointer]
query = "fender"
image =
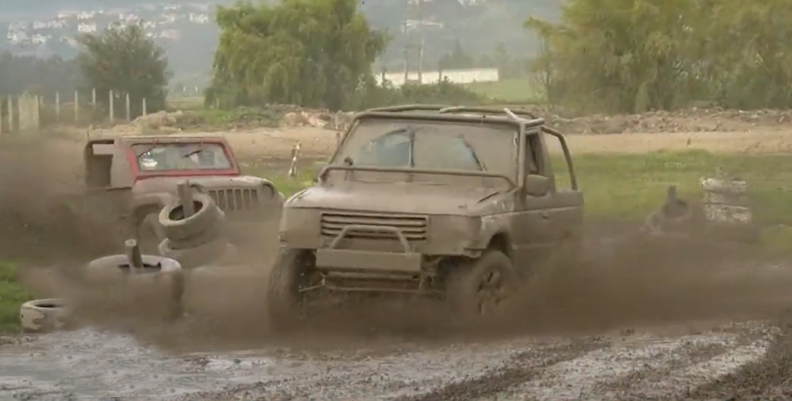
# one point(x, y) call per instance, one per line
point(494, 225)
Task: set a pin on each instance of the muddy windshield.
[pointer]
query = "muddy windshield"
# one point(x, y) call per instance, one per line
point(181, 156)
point(430, 145)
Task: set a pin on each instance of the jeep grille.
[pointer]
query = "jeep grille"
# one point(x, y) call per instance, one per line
point(230, 200)
point(412, 227)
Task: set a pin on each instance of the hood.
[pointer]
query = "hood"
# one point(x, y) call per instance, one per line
point(169, 184)
point(397, 198)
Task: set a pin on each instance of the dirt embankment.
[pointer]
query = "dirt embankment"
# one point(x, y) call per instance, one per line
point(724, 131)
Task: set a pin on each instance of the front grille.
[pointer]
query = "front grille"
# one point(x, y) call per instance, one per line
point(412, 227)
point(230, 200)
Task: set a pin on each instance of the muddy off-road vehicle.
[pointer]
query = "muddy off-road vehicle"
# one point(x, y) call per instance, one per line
point(128, 180)
point(454, 201)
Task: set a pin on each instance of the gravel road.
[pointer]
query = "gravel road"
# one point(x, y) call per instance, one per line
point(664, 363)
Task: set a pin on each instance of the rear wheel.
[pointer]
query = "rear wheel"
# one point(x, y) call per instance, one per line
point(285, 303)
point(482, 287)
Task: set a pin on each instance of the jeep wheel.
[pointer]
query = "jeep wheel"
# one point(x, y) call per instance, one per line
point(482, 287)
point(149, 234)
point(285, 304)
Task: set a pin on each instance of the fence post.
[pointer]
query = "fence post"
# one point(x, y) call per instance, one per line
point(93, 99)
point(144, 110)
point(37, 112)
point(10, 114)
point(76, 106)
point(57, 106)
point(128, 111)
point(295, 158)
point(112, 107)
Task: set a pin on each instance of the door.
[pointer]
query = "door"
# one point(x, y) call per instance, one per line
point(546, 224)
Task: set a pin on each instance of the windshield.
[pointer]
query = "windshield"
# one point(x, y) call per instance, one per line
point(430, 145)
point(181, 156)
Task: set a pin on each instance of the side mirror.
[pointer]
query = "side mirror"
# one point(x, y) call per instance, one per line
point(318, 166)
point(537, 185)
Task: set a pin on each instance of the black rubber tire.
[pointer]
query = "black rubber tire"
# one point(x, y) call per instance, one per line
point(211, 234)
point(43, 315)
point(462, 284)
point(285, 304)
point(150, 234)
point(175, 226)
point(203, 255)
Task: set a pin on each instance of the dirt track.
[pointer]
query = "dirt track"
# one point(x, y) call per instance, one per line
point(90, 365)
point(648, 327)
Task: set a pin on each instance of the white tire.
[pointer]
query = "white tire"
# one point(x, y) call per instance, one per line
point(43, 315)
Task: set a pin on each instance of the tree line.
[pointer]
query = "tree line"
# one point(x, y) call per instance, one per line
point(603, 56)
point(121, 58)
point(638, 55)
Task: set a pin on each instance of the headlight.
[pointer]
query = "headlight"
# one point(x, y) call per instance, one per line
point(297, 224)
point(267, 192)
point(461, 229)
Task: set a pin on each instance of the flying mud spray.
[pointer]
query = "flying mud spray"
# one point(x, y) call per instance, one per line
point(639, 319)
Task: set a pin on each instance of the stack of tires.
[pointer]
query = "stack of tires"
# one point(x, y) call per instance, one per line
point(195, 240)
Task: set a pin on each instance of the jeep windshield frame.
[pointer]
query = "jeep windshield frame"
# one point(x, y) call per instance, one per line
point(526, 123)
point(134, 149)
point(457, 133)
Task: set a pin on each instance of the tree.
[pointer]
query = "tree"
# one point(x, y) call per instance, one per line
point(457, 59)
point(43, 77)
point(123, 59)
point(316, 53)
point(637, 55)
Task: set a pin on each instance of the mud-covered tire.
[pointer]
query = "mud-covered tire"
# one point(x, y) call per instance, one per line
point(284, 302)
point(176, 227)
point(43, 315)
point(211, 234)
point(206, 254)
point(150, 234)
point(164, 283)
point(463, 282)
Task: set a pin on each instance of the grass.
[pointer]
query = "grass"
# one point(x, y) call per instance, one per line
point(627, 187)
point(12, 295)
point(514, 90)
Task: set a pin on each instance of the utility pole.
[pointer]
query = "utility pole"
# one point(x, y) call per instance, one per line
point(413, 20)
point(423, 41)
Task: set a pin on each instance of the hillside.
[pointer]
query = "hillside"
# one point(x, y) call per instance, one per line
point(187, 31)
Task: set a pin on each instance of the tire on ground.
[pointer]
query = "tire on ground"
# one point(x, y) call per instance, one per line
point(213, 252)
point(176, 226)
point(213, 233)
point(463, 282)
point(159, 285)
point(284, 301)
point(43, 315)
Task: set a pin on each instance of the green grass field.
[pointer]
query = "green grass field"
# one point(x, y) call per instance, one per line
point(12, 295)
point(627, 187)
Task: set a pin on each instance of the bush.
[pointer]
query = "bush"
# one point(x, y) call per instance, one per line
point(443, 92)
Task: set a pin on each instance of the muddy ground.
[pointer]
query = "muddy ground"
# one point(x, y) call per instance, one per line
point(637, 321)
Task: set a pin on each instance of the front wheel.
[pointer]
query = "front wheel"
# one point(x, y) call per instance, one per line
point(483, 287)
point(285, 303)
